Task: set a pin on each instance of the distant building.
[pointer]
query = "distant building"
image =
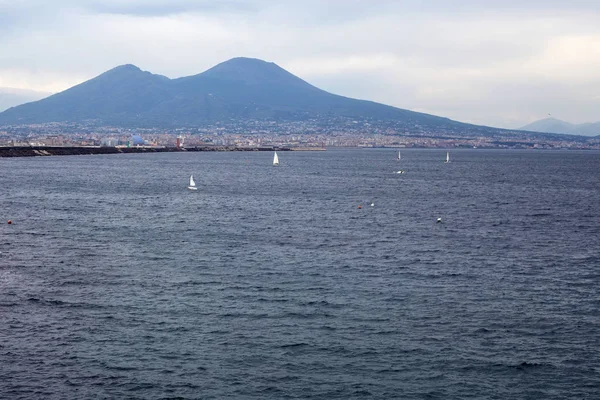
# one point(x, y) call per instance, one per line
point(137, 140)
point(109, 142)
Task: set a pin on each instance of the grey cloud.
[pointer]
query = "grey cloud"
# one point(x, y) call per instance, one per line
point(163, 8)
point(10, 97)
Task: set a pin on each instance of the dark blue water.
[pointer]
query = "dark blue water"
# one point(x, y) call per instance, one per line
point(117, 282)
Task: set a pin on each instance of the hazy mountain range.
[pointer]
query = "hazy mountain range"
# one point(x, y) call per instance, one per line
point(10, 97)
point(241, 88)
point(553, 125)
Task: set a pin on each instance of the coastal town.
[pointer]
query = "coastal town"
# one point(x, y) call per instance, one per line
point(310, 134)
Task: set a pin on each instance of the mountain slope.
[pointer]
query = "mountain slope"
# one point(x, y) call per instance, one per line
point(588, 129)
point(553, 125)
point(241, 88)
point(121, 94)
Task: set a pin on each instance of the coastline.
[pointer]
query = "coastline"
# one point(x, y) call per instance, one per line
point(44, 151)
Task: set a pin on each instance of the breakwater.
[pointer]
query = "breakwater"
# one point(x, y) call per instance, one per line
point(36, 151)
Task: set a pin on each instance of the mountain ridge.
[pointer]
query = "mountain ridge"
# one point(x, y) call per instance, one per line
point(554, 125)
point(239, 88)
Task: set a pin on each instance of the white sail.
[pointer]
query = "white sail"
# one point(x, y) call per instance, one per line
point(275, 159)
point(192, 185)
point(398, 156)
point(447, 156)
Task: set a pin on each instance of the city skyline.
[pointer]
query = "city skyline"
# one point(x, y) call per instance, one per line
point(501, 64)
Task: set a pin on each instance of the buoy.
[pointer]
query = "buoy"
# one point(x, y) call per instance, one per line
point(372, 204)
point(439, 220)
point(359, 206)
point(9, 222)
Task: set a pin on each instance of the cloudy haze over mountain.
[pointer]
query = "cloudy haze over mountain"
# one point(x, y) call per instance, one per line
point(10, 97)
point(501, 63)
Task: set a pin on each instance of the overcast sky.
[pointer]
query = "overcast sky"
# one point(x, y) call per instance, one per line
point(501, 63)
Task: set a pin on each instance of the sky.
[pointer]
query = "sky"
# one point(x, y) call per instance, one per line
point(499, 63)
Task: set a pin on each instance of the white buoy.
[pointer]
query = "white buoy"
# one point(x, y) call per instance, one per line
point(439, 220)
point(372, 204)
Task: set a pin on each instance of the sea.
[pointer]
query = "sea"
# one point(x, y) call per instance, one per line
point(327, 277)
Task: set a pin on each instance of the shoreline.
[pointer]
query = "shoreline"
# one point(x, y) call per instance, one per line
point(45, 151)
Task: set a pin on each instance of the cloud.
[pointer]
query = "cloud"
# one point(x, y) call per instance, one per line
point(164, 8)
point(491, 62)
point(10, 97)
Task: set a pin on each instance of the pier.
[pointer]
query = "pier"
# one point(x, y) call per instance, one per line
point(40, 151)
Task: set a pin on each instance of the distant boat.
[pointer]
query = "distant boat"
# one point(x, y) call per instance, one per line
point(447, 157)
point(398, 156)
point(275, 160)
point(400, 172)
point(192, 185)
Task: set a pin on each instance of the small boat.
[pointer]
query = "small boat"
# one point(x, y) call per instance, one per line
point(447, 157)
point(192, 185)
point(275, 160)
point(400, 172)
point(398, 156)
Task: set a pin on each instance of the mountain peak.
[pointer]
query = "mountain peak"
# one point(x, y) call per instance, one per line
point(124, 70)
point(553, 125)
point(251, 71)
point(128, 73)
point(125, 67)
point(246, 61)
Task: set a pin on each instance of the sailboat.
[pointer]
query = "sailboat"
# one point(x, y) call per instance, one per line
point(447, 157)
point(398, 156)
point(192, 185)
point(275, 160)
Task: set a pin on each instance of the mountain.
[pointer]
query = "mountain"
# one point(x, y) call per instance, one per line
point(10, 97)
point(120, 94)
point(241, 88)
point(553, 125)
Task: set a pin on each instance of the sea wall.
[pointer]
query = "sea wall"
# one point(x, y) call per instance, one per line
point(36, 151)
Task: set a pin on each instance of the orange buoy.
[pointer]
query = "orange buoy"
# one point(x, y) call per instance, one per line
point(359, 206)
point(9, 222)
